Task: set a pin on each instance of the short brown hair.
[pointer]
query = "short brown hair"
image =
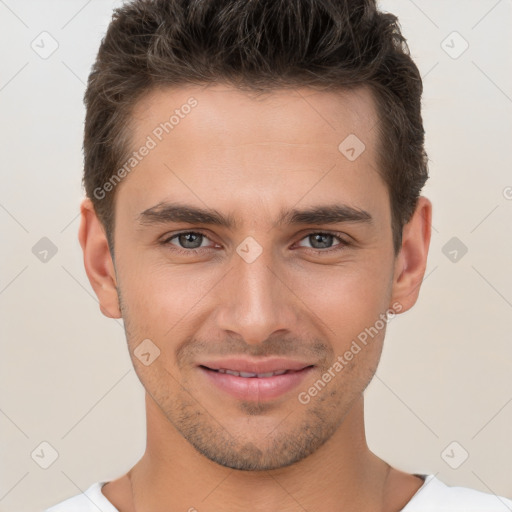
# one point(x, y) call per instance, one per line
point(259, 45)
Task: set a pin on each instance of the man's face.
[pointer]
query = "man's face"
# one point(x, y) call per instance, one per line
point(295, 294)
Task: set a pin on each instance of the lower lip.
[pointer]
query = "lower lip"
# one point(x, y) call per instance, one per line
point(256, 389)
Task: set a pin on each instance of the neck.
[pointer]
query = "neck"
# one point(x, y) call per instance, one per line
point(342, 475)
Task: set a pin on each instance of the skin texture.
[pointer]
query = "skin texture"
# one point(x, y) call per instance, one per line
point(250, 158)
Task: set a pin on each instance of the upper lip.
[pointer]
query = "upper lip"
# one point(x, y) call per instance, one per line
point(254, 365)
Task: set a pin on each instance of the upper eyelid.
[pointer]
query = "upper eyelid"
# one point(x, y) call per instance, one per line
point(330, 233)
point(166, 238)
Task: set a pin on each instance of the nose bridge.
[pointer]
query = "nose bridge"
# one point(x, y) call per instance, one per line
point(255, 302)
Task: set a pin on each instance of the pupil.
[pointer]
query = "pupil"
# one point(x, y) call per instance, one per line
point(190, 240)
point(323, 244)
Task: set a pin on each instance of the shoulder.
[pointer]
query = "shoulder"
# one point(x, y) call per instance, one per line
point(436, 496)
point(91, 500)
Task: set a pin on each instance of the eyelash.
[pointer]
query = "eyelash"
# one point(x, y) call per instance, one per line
point(188, 252)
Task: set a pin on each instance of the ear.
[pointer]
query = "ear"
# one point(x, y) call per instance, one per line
point(98, 260)
point(411, 261)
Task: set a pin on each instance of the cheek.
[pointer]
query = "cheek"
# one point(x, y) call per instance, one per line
point(161, 301)
point(348, 297)
point(350, 301)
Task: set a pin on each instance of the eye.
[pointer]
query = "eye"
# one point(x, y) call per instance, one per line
point(187, 241)
point(323, 242)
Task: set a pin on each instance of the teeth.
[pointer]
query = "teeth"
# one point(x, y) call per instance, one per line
point(250, 374)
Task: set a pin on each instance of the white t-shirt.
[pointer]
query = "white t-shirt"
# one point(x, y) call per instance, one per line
point(432, 496)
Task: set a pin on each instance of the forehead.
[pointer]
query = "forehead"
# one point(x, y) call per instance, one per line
point(216, 141)
point(290, 115)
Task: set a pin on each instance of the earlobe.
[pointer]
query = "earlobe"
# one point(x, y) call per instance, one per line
point(411, 262)
point(98, 260)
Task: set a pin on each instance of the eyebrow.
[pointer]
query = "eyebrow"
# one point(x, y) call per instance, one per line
point(163, 213)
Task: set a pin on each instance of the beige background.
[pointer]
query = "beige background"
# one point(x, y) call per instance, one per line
point(66, 377)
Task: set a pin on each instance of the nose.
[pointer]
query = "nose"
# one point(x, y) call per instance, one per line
point(255, 300)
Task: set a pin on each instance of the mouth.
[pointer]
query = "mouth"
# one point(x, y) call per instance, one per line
point(251, 375)
point(255, 380)
point(250, 367)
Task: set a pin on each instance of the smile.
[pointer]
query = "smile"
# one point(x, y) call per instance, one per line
point(257, 386)
point(251, 375)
